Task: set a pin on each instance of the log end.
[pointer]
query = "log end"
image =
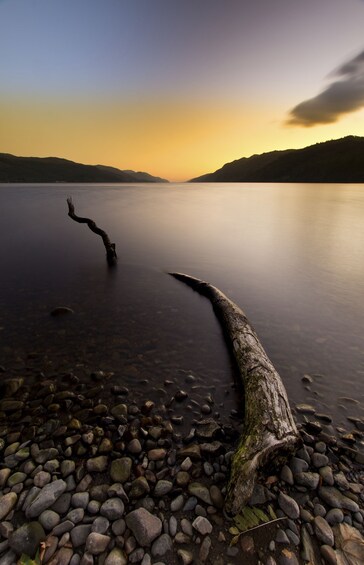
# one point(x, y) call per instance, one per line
point(246, 465)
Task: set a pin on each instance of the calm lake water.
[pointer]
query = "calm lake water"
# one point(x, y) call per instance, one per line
point(291, 255)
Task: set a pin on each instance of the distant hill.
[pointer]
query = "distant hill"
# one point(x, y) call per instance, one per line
point(53, 169)
point(340, 160)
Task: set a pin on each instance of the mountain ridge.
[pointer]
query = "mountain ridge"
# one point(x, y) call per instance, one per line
point(338, 160)
point(57, 169)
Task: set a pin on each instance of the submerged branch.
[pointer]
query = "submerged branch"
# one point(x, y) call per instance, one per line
point(110, 247)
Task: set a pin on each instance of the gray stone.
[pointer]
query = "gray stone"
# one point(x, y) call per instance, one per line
point(63, 527)
point(139, 487)
point(173, 526)
point(177, 503)
point(112, 508)
point(97, 543)
point(334, 516)
point(80, 500)
point(62, 504)
point(79, 534)
point(41, 479)
point(336, 499)
point(45, 498)
point(162, 488)
point(76, 515)
point(67, 467)
point(162, 545)
point(87, 559)
point(100, 525)
point(134, 446)
point(308, 480)
point(49, 519)
point(27, 538)
point(144, 526)
point(319, 460)
point(202, 525)
point(327, 475)
point(7, 503)
point(116, 557)
point(323, 531)
point(287, 475)
point(121, 469)
point(281, 537)
point(136, 556)
point(289, 506)
point(293, 538)
point(298, 465)
point(319, 510)
point(216, 497)
point(205, 549)
point(328, 554)
point(15, 479)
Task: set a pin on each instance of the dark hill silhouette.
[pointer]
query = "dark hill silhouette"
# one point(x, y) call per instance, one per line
point(54, 169)
point(340, 160)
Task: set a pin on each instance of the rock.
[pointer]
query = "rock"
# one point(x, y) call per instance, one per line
point(336, 499)
point(287, 557)
point(45, 498)
point(308, 480)
point(157, 454)
point(97, 543)
point(216, 497)
point(112, 509)
point(49, 519)
point(207, 429)
point(27, 538)
point(162, 545)
point(287, 475)
point(185, 556)
point(100, 525)
point(144, 525)
point(323, 531)
point(162, 488)
point(319, 460)
point(177, 503)
point(191, 452)
point(202, 525)
point(97, 464)
point(67, 467)
point(305, 409)
point(76, 515)
point(60, 311)
point(247, 544)
point(298, 465)
point(328, 554)
point(327, 475)
point(334, 516)
point(62, 557)
point(205, 549)
point(80, 500)
point(180, 395)
point(116, 557)
point(79, 534)
point(121, 469)
point(281, 537)
point(7, 503)
point(200, 491)
point(289, 506)
point(139, 487)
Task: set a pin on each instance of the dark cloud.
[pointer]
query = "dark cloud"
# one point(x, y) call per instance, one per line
point(345, 94)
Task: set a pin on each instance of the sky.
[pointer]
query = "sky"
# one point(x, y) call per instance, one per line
point(177, 88)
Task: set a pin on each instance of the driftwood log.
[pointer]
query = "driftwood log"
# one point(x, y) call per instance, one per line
point(270, 433)
point(110, 247)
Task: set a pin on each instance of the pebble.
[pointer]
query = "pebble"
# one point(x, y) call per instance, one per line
point(144, 525)
point(323, 531)
point(162, 545)
point(7, 503)
point(27, 538)
point(112, 509)
point(97, 543)
point(289, 506)
point(202, 525)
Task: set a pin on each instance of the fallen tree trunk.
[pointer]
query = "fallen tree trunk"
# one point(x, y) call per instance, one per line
point(270, 433)
point(110, 247)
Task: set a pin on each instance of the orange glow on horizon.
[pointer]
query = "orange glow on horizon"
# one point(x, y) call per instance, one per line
point(174, 140)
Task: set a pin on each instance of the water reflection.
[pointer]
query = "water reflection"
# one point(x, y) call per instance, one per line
point(290, 255)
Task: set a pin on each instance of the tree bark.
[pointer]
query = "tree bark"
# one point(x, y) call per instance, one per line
point(270, 433)
point(110, 247)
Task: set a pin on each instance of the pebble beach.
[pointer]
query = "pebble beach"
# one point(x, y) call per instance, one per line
point(90, 477)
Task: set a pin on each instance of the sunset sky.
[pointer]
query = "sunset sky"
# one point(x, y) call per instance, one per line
point(177, 87)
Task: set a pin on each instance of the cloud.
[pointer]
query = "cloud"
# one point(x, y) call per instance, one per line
point(345, 94)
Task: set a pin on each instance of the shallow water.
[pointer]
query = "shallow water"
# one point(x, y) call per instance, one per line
point(292, 256)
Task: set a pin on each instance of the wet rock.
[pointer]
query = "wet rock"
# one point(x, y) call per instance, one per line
point(162, 545)
point(289, 506)
point(27, 538)
point(144, 525)
point(202, 525)
point(336, 499)
point(45, 498)
point(180, 395)
point(323, 531)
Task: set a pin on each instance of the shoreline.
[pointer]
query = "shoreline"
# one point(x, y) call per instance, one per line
point(116, 482)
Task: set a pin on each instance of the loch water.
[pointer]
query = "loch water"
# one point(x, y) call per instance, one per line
point(291, 255)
